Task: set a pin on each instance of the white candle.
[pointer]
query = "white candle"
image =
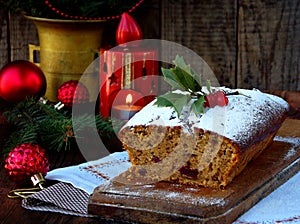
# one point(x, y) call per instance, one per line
point(125, 111)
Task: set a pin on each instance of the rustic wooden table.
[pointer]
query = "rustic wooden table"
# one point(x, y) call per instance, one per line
point(11, 210)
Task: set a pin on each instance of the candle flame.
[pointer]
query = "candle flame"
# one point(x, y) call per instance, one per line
point(128, 99)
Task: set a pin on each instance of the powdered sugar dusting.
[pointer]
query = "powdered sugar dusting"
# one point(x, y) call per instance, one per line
point(170, 193)
point(245, 116)
point(195, 200)
point(167, 195)
point(294, 141)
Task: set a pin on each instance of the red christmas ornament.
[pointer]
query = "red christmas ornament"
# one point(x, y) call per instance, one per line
point(25, 161)
point(20, 79)
point(128, 30)
point(72, 92)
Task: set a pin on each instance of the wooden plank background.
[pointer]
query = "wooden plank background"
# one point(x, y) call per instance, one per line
point(208, 28)
point(4, 48)
point(269, 44)
point(248, 44)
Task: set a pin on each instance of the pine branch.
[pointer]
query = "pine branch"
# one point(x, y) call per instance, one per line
point(56, 135)
point(26, 135)
point(53, 130)
point(31, 112)
point(103, 125)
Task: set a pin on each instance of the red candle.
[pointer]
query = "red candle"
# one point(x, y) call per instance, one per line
point(127, 68)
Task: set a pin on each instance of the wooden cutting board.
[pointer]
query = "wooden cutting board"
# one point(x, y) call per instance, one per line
point(173, 203)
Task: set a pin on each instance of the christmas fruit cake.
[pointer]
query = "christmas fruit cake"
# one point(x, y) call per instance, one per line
point(200, 136)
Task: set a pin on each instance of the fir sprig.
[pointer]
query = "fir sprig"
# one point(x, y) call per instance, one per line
point(42, 124)
point(26, 135)
point(30, 112)
point(183, 77)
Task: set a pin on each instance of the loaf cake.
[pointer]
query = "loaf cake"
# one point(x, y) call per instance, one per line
point(207, 149)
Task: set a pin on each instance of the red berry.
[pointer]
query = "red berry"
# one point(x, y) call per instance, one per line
point(222, 100)
point(210, 100)
point(206, 103)
point(216, 99)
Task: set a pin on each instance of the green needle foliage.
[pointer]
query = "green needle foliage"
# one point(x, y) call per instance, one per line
point(41, 124)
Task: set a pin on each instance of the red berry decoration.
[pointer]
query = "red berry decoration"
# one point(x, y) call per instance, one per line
point(72, 92)
point(216, 99)
point(20, 79)
point(78, 17)
point(25, 161)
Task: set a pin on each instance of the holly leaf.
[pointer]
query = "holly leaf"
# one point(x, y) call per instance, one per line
point(176, 100)
point(197, 81)
point(179, 62)
point(185, 73)
point(181, 77)
point(186, 79)
point(198, 105)
point(192, 79)
point(172, 79)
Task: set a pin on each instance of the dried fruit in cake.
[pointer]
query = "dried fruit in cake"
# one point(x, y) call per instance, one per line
point(200, 137)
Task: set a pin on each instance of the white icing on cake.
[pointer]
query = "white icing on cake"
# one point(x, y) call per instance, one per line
point(241, 120)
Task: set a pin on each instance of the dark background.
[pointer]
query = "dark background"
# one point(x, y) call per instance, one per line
point(246, 43)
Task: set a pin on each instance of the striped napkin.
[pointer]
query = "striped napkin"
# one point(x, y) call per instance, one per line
point(62, 198)
point(71, 195)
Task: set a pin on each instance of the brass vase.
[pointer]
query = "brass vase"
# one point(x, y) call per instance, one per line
point(67, 48)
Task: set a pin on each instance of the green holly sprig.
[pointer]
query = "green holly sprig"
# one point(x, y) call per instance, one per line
point(183, 77)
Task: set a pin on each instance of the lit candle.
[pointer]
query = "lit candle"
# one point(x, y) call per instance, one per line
point(127, 110)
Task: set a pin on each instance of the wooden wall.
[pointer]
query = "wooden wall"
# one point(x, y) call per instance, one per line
point(247, 43)
point(16, 33)
point(3, 39)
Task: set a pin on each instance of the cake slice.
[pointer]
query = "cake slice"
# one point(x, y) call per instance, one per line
point(207, 149)
point(199, 135)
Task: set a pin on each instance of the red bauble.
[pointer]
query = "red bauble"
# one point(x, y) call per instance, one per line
point(72, 92)
point(128, 30)
point(25, 161)
point(20, 79)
